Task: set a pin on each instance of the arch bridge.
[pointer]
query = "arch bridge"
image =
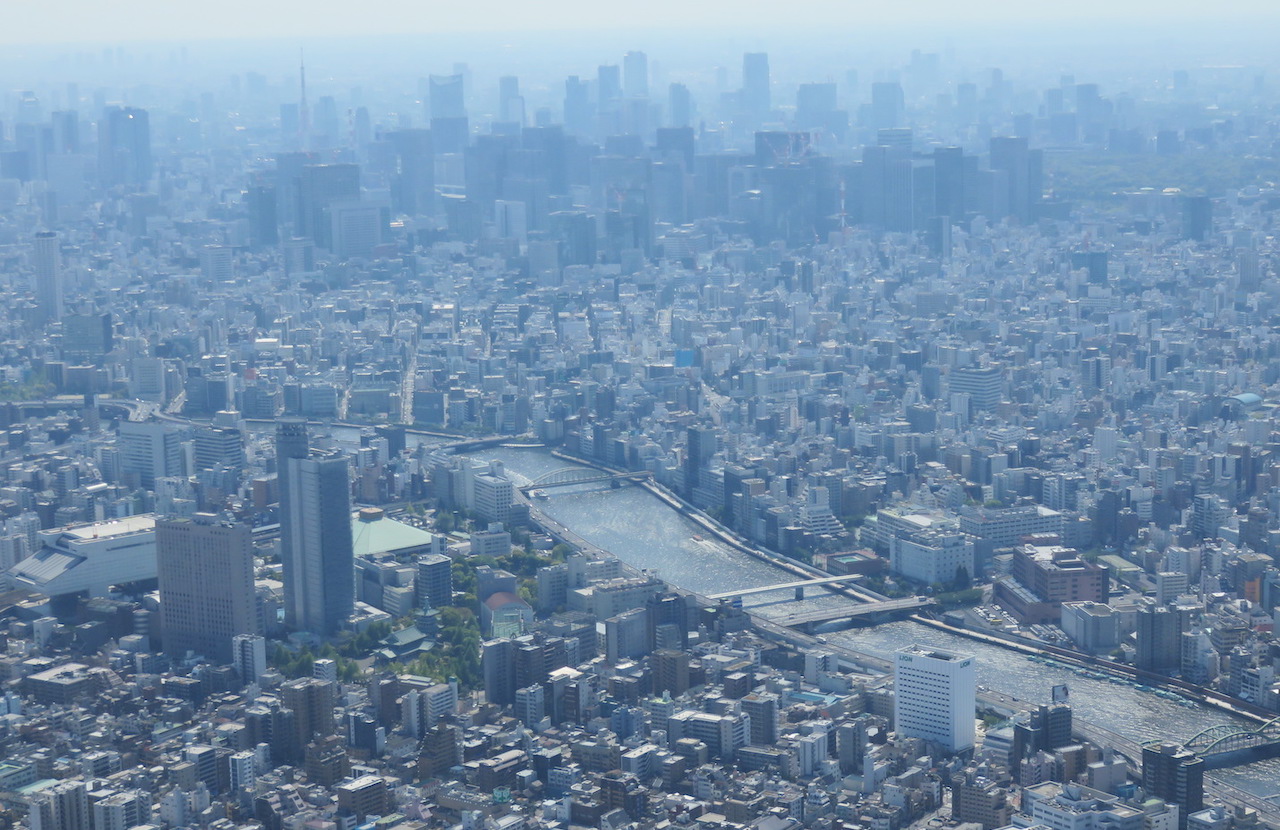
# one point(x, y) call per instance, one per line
point(570, 476)
point(1231, 738)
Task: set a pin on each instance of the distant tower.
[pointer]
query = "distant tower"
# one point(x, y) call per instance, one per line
point(304, 114)
point(635, 75)
point(48, 275)
point(755, 83)
point(124, 148)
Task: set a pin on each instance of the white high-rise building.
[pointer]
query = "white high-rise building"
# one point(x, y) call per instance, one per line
point(935, 695)
point(250, 656)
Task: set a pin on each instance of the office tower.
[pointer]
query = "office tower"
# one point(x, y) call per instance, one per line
point(1045, 728)
point(124, 148)
point(413, 189)
point(702, 444)
point(888, 188)
point(449, 127)
point(217, 263)
point(1159, 647)
point(510, 104)
point(949, 194)
point(434, 580)
point(935, 696)
point(577, 106)
point(66, 132)
point(983, 384)
point(608, 84)
point(635, 75)
point(263, 217)
point(315, 532)
point(249, 656)
point(327, 127)
point(756, 98)
point(149, 450)
point(887, 105)
point(1175, 774)
point(816, 105)
point(1197, 218)
point(219, 447)
point(47, 275)
point(498, 666)
point(205, 570)
point(1023, 176)
point(680, 106)
point(319, 187)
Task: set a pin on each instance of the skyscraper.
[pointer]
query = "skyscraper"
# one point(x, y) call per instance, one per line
point(449, 127)
point(315, 532)
point(680, 106)
point(635, 75)
point(1024, 179)
point(755, 83)
point(124, 147)
point(205, 570)
point(935, 695)
point(48, 275)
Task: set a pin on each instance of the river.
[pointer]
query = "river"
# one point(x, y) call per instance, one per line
point(647, 533)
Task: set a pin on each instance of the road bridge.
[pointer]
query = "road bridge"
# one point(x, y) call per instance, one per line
point(572, 476)
point(808, 619)
point(799, 587)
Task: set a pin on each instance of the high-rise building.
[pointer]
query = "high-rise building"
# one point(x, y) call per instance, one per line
point(149, 450)
point(1175, 774)
point(47, 283)
point(1159, 645)
point(205, 570)
point(312, 703)
point(762, 708)
point(1023, 177)
point(935, 695)
point(249, 655)
point(679, 106)
point(434, 580)
point(264, 217)
point(635, 75)
point(319, 186)
point(124, 147)
point(449, 127)
point(315, 533)
point(755, 83)
point(983, 384)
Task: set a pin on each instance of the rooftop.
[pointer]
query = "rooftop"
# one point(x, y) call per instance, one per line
point(372, 532)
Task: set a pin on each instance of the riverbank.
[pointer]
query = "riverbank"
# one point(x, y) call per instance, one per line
point(727, 536)
point(1190, 692)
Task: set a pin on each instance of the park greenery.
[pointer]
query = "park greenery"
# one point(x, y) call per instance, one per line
point(1103, 177)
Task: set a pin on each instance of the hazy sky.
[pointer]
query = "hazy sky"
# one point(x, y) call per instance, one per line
point(109, 21)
